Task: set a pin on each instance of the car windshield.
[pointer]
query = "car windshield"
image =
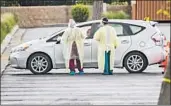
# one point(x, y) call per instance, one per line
point(53, 34)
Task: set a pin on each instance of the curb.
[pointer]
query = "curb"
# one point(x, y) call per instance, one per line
point(5, 44)
point(2, 71)
point(8, 39)
point(21, 38)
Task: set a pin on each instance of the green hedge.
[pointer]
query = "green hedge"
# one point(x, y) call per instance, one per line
point(80, 12)
point(8, 21)
point(116, 15)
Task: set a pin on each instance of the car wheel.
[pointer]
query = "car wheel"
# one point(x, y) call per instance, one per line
point(135, 62)
point(39, 63)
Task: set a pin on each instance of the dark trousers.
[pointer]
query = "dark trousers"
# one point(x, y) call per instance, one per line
point(107, 63)
point(72, 65)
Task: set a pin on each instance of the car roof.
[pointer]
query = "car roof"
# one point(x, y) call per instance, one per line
point(134, 22)
point(127, 21)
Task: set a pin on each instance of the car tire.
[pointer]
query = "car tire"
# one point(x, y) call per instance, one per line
point(39, 63)
point(135, 62)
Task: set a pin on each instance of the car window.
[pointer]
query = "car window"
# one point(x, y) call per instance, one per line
point(86, 30)
point(94, 28)
point(54, 39)
point(90, 29)
point(118, 28)
point(121, 30)
point(136, 29)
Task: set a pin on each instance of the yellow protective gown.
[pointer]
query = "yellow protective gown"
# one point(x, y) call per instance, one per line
point(70, 35)
point(108, 41)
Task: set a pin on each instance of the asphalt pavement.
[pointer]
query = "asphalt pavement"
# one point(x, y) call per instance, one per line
point(21, 87)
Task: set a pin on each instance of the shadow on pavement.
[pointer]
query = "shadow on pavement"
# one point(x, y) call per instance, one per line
point(88, 74)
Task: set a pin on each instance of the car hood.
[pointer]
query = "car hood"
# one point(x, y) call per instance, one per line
point(30, 43)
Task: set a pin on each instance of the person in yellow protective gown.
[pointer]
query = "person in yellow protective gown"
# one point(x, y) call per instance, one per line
point(107, 43)
point(73, 47)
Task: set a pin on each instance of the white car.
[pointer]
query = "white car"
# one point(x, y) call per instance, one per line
point(141, 45)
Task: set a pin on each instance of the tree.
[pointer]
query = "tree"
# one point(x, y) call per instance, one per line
point(97, 9)
point(130, 8)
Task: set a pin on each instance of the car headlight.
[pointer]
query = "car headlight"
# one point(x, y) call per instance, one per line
point(22, 48)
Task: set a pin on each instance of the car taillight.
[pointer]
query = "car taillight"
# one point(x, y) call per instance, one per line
point(164, 37)
point(164, 41)
point(157, 39)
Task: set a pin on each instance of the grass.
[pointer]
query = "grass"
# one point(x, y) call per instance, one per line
point(116, 15)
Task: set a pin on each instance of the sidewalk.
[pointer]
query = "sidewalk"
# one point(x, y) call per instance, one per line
point(16, 40)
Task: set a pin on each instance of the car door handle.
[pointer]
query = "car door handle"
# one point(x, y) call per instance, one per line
point(124, 41)
point(86, 44)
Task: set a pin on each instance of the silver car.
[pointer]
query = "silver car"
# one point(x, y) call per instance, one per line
point(141, 45)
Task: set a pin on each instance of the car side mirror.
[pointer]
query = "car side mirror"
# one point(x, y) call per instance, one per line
point(58, 40)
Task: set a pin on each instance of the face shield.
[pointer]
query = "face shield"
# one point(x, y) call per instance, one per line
point(101, 24)
point(71, 23)
point(104, 21)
